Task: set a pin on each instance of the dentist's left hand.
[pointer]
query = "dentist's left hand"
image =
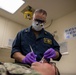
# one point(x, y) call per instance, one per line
point(50, 53)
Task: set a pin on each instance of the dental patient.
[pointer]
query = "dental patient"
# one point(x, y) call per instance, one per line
point(45, 68)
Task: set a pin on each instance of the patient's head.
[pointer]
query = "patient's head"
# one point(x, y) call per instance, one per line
point(45, 68)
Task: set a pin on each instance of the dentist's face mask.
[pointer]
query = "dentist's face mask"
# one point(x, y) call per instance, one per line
point(38, 24)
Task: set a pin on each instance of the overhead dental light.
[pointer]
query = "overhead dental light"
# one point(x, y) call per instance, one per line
point(28, 12)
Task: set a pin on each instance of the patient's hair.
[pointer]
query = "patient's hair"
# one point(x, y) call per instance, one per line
point(56, 69)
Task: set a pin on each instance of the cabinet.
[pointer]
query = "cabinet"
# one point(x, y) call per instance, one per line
point(2, 27)
point(8, 31)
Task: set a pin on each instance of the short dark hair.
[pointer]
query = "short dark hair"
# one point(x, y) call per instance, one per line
point(41, 11)
point(56, 69)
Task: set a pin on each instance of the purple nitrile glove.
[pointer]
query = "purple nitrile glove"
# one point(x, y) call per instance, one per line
point(29, 58)
point(50, 53)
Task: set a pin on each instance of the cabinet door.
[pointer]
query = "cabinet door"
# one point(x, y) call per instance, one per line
point(11, 30)
point(2, 28)
point(8, 31)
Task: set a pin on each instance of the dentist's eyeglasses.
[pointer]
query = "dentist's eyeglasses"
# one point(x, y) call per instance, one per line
point(39, 21)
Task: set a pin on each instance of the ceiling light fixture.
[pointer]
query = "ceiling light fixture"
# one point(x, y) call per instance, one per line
point(11, 6)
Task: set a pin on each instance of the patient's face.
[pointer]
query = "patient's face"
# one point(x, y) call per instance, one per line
point(44, 68)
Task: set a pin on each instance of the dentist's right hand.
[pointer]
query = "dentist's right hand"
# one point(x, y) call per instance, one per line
point(29, 58)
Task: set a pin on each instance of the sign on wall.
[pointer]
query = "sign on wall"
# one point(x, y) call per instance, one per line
point(63, 48)
point(10, 41)
point(70, 32)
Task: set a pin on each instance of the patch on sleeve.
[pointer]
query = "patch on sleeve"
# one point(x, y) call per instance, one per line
point(48, 41)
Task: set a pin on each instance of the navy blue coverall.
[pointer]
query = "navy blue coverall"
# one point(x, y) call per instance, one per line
point(39, 45)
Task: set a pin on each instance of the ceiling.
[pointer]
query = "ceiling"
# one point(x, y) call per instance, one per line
point(55, 9)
